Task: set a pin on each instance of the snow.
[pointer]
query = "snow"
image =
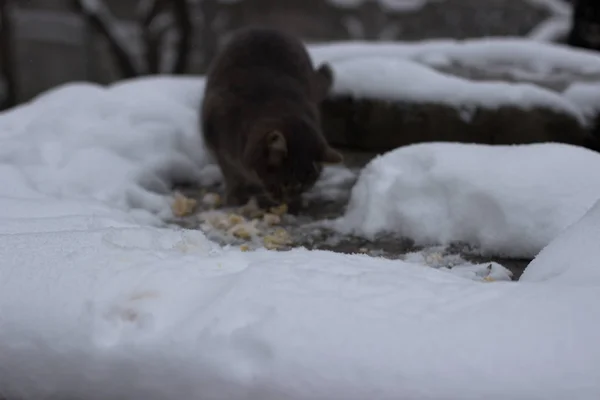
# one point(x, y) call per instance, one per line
point(573, 257)
point(586, 96)
point(392, 5)
point(503, 54)
point(506, 200)
point(84, 142)
point(147, 313)
point(551, 30)
point(394, 79)
point(101, 299)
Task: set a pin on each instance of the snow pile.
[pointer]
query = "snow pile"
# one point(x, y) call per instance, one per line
point(119, 147)
point(395, 79)
point(507, 200)
point(573, 257)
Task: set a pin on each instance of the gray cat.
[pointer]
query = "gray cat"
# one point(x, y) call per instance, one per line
point(261, 120)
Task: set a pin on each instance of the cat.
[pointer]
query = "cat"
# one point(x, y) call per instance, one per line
point(260, 117)
point(585, 27)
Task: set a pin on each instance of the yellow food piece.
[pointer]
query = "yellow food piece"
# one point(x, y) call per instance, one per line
point(279, 210)
point(271, 219)
point(489, 279)
point(279, 238)
point(245, 247)
point(235, 219)
point(240, 231)
point(182, 205)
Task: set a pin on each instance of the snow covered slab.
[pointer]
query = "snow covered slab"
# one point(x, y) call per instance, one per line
point(490, 91)
point(100, 299)
point(402, 80)
point(506, 200)
point(379, 104)
point(519, 57)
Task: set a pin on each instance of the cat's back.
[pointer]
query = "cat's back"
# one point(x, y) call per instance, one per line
point(261, 54)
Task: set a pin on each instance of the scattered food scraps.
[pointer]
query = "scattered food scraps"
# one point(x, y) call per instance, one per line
point(278, 239)
point(182, 205)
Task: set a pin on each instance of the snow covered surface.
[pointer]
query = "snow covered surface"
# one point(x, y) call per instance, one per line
point(573, 257)
point(586, 96)
point(393, 5)
point(551, 30)
point(508, 200)
point(396, 79)
point(99, 300)
point(516, 55)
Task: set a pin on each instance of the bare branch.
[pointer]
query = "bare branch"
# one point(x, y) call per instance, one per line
point(102, 20)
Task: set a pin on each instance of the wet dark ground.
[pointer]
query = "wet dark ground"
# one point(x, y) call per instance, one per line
point(328, 201)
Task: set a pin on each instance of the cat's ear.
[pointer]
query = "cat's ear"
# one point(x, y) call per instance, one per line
point(323, 81)
point(331, 156)
point(276, 147)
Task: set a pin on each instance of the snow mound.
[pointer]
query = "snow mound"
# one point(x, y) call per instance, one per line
point(85, 142)
point(507, 200)
point(390, 79)
point(573, 257)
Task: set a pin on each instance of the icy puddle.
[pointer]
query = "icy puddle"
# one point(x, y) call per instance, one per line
point(250, 228)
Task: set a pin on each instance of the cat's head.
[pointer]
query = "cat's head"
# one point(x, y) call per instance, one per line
point(288, 157)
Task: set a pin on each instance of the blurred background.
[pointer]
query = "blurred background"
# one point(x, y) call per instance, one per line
point(44, 43)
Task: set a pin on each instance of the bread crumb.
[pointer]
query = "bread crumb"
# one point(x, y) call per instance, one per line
point(271, 219)
point(235, 219)
point(245, 247)
point(182, 205)
point(241, 232)
point(278, 239)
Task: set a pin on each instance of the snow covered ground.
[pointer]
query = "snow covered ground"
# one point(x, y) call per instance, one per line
point(99, 299)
